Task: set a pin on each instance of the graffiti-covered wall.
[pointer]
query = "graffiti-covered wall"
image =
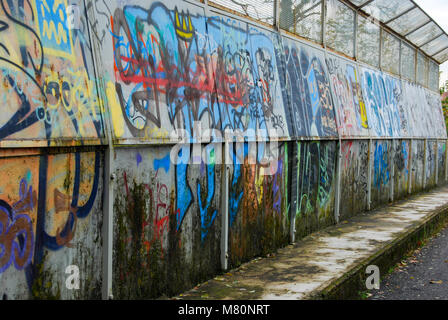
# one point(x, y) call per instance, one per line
point(50, 195)
point(402, 167)
point(201, 139)
point(166, 222)
point(48, 84)
point(354, 177)
point(51, 216)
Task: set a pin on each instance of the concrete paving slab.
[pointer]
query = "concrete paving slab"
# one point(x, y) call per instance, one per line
point(327, 263)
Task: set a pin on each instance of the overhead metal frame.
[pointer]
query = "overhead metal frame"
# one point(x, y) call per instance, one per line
point(401, 20)
point(386, 24)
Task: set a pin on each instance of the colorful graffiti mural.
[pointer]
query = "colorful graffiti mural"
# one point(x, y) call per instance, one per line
point(153, 236)
point(382, 94)
point(46, 214)
point(308, 90)
point(401, 164)
point(354, 177)
point(173, 68)
point(316, 167)
point(258, 203)
point(349, 104)
point(48, 91)
point(150, 72)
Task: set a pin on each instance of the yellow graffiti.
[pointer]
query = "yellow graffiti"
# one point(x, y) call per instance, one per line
point(49, 30)
point(156, 134)
point(115, 109)
point(259, 184)
point(184, 31)
point(362, 106)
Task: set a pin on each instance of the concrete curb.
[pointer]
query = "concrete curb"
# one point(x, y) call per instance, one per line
point(352, 282)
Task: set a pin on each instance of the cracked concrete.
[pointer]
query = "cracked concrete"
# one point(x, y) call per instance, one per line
point(306, 268)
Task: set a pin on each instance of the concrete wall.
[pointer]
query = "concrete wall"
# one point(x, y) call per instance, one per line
point(87, 144)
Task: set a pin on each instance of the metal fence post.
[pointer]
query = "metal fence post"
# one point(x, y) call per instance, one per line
point(338, 183)
point(225, 207)
point(293, 173)
point(276, 22)
point(411, 142)
point(425, 162)
point(392, 173)
point(108, 194)
point(437, 162)
point(369, 176)
point(446, 160)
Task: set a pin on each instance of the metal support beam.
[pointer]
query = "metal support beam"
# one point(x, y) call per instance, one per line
point(365, 4)
point(432, 39)
point(415, 29)
point(400, 59)
point(411, 169)
point(293, 165)
point(337, 202)
point(439, 52)
point(392, 173)
point(446, 161)
point(425, 163)
point(369, 176)
point(437, 162)
point(415, 65)
point(277, 14)
point(355, 42)
point(108, 192)
point(380, 58)
point(225, 206)
point(108, 224)
point(324, 23)
point(400, 15)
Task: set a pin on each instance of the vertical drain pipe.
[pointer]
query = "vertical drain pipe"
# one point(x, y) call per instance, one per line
point(437, 162)
point(108, 177)
point(337, 199)
point(446, 160)
point(411, 169)
point(369, 177)
point(225, 206)
point(425, 163)
point(226, 161)
point(392, 174)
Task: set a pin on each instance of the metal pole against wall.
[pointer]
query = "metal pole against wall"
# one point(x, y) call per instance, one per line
point(108, 192)
point(293, 165)
point(338, 182)
point(355, 41)
point(380, 56)
point(446, 160)
point(425, 162)
point(437, 162)
point(225, 207)
point(392, 173)
point(227, 160)
point(410, 167)
point(369, 176)
point(277, 14)
point(338, 159)
point(324, 24)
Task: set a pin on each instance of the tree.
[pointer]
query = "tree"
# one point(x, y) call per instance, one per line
point(444, 98)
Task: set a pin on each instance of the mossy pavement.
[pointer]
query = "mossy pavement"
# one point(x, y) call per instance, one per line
point(331, 263)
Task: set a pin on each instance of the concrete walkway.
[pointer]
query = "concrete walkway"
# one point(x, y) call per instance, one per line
point(332, 263)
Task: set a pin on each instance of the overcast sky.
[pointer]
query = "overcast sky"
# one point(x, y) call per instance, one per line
point(438, 10)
